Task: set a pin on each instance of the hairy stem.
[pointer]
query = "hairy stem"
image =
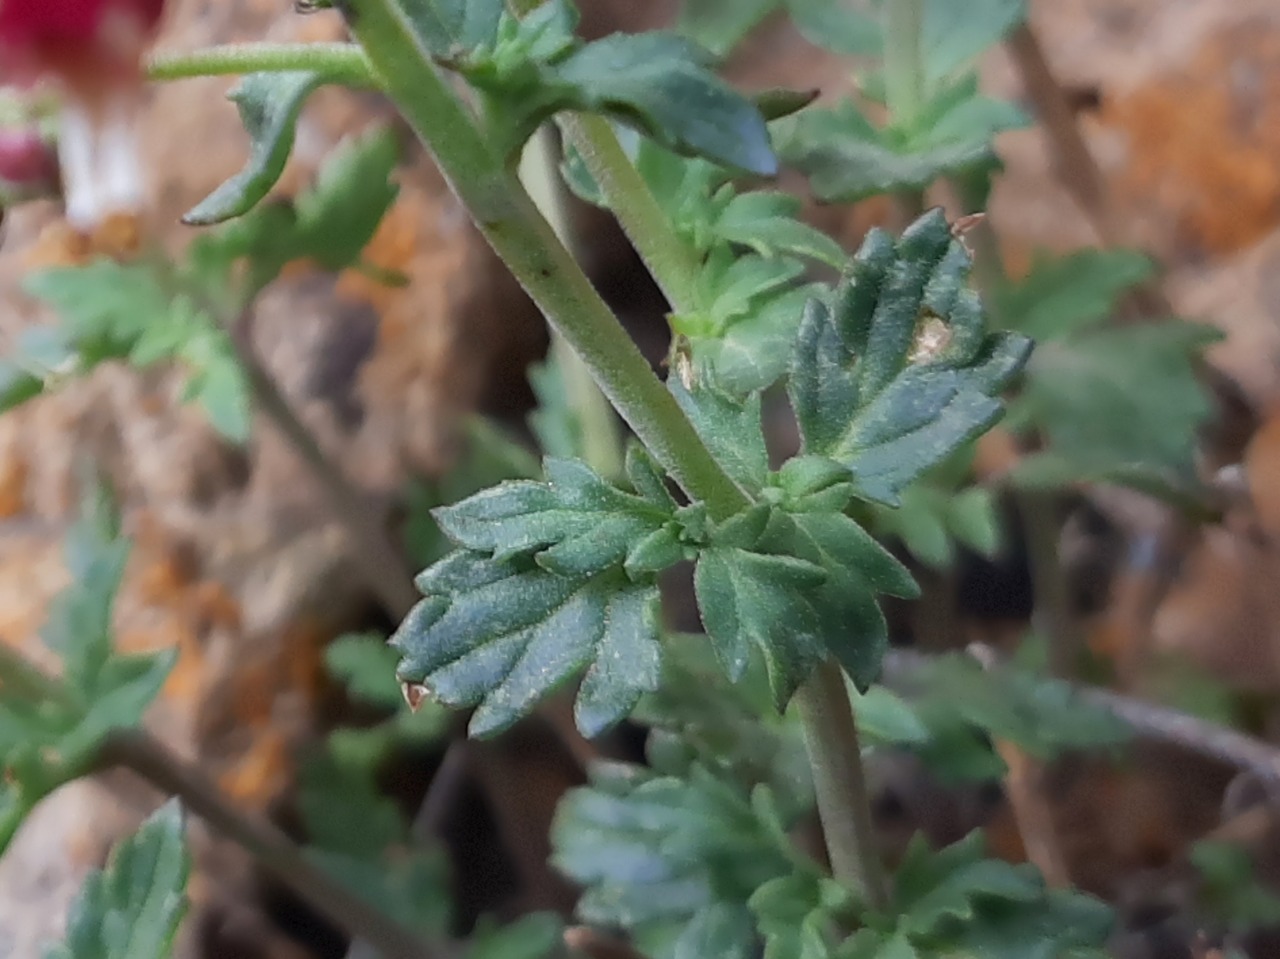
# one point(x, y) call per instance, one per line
point(904, 89)
point(903, 68)
point(671, 262)
point(601, 444)
point(135, 750)
point(521, 236)
point(839, 781)
point(338, 62)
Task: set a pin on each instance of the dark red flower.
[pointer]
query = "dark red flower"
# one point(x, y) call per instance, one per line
point(28, 163)
point(92, 51)
point(81, 42)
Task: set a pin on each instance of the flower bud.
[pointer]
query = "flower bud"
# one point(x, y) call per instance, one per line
point(28, 164)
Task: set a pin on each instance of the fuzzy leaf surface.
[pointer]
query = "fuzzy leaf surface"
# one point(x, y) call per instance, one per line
point(573, 524)
point(900, 371)
point(794, 588)
point(731, 428)
point(665, 85)
point(538, 594)
point(502, 635)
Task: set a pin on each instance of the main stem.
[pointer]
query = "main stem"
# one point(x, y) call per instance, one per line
point(839, 782)
point(830, 729)
point(521, 236)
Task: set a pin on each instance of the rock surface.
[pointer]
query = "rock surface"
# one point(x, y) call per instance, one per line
point(237, 560)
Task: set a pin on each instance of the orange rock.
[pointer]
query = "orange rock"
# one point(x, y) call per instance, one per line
point(261, 773)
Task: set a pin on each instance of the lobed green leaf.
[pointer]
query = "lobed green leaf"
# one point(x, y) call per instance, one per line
point(140, 313)
point(899, 372)
point(50, 730)
point(847, 158)
point(1121, 405)
point(269, 106)
point(574, 524)
point(132, 909)
point(956, 697)
point(664, 84)
point(671, 860)
point(502, 635)
point(731, 429)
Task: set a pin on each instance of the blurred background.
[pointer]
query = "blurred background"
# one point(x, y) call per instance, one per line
point(239, 565)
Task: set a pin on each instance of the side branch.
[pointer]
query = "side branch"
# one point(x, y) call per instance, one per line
point(137, 751)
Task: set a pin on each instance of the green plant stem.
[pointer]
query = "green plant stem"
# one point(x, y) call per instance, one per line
point(338, 62)
point(903, 67)
point(521, 236)
point(601, 444)
point(831, 732)
point(135, 750)
point(904, 88)
point(670, 260)
point(839, 782)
